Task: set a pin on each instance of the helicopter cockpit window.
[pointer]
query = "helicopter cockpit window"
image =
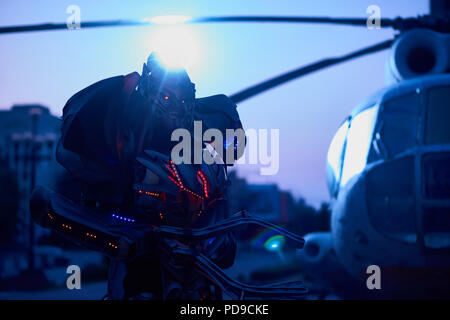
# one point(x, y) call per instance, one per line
point(358, 143)
point(437, 128)
point(335, 157)
point(396, 129)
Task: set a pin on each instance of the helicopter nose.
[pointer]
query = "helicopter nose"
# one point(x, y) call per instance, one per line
point(391, 202)
point(436, 174)
point(414, 207)
point(436, 199)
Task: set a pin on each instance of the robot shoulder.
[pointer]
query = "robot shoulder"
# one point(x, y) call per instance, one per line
point(100, 89)
point(89, 116)
point(217, 111)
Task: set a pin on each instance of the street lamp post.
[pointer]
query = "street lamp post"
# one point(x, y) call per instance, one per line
point(34, 114)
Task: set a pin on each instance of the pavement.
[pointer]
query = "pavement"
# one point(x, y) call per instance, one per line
point(242, 269)
point(91, 291)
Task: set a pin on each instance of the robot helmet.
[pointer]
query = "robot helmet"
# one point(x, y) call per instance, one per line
point(170, 92)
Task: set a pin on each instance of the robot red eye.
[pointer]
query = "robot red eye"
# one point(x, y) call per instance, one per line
point(166, 97)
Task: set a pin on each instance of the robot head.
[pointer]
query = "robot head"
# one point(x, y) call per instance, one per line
point(170, 92)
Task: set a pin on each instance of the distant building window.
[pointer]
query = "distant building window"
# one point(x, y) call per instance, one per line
point(437, 128)
point(359, 139)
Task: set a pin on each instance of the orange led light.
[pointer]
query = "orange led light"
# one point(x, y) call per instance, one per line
point(112, 245)
point(154, 194)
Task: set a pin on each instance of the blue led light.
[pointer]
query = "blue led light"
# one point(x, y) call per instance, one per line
point(123, 218)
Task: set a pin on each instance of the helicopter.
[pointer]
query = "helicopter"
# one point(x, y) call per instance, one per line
point(387, 165)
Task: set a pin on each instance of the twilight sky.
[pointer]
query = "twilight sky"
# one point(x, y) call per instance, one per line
point(49, 67)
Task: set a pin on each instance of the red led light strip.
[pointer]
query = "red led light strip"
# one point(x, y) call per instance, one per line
point(205, 182)
point(178, 181)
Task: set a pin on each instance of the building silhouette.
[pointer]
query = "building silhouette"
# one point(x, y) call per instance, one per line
point(17, 141)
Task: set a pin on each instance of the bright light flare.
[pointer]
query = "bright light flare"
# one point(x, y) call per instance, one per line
point(176, 46)
point(170, 19)
point(274, 243)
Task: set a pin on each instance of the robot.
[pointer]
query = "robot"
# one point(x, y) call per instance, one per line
point(165, 226)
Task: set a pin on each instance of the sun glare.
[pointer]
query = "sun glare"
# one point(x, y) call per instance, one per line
point(177, 46)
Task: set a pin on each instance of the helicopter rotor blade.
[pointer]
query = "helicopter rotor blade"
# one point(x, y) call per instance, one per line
point(362, 22)
point(305, 70)
point(63, 26)
point(218, 19)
